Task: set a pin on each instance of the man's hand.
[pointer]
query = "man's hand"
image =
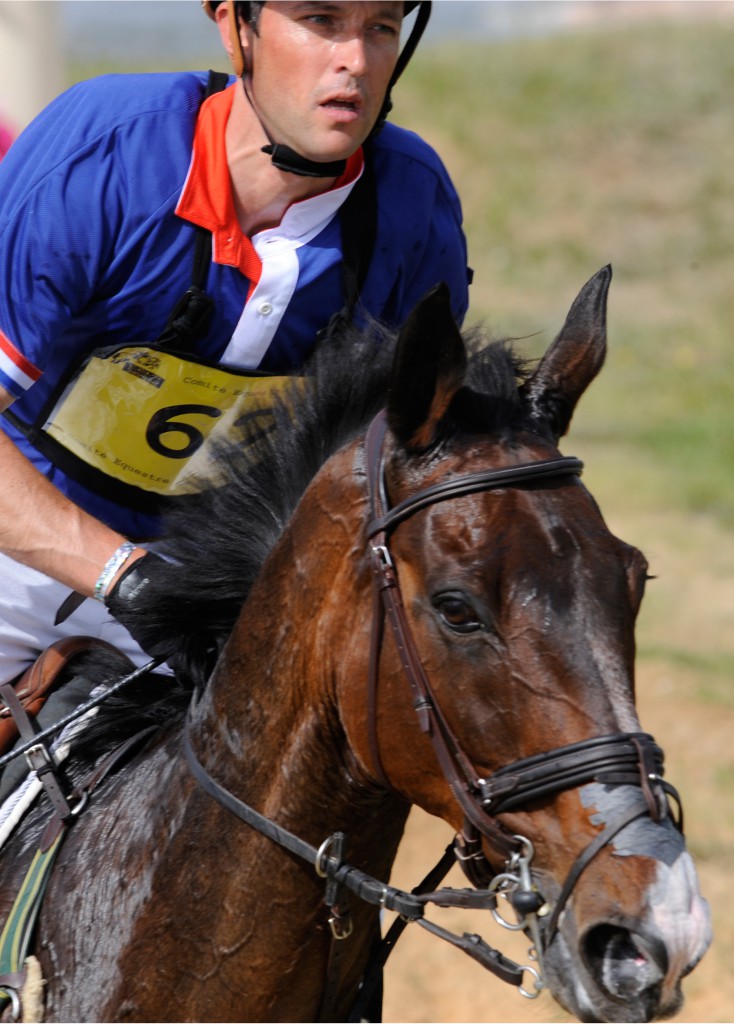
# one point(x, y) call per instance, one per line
point(130, 601)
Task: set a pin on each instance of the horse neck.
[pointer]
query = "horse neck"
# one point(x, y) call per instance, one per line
point(269, 729)
point(272, 708)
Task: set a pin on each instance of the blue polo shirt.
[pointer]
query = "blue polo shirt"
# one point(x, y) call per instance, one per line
point(99, 199)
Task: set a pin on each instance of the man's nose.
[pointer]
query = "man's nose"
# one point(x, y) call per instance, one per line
point(351, 55)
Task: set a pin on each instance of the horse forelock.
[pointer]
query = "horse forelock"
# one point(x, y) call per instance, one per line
point(491, 400)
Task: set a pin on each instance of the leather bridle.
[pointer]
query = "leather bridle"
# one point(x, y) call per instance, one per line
point(618, 759)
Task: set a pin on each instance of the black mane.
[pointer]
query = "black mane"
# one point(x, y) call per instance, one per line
point(219, 540)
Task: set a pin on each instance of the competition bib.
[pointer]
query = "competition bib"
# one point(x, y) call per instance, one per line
point(146, 418)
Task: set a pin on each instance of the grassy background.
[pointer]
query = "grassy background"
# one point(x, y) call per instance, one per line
point(608, 147)
point(571, 152)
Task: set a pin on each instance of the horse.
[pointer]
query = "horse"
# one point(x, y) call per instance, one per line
point(407, 597)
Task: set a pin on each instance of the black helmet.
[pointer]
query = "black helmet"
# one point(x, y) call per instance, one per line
point(282, 156)
point(211, 5)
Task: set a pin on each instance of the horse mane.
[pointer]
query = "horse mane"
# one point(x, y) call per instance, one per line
point(217, 542)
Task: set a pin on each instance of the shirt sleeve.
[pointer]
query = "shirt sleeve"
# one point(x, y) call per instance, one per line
point(443, 258)
point(421, 238)
point(87, 194)
point(54, 200)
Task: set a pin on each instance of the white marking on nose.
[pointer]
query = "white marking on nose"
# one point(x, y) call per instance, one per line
point(680, 914)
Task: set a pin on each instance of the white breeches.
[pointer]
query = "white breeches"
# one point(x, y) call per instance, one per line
point(29, 602)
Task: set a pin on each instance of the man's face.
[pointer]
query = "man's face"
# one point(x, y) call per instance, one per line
point(320, 71)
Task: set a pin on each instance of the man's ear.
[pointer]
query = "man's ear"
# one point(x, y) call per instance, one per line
point(234, 36)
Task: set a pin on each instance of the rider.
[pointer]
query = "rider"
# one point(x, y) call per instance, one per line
point(102, 200)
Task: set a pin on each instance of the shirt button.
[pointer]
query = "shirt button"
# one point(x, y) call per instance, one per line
point(265, 308)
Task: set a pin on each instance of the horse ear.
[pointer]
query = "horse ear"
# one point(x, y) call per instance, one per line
point(574, 359)
point(428, 369)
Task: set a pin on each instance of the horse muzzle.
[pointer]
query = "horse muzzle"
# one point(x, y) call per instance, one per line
point(634, 928)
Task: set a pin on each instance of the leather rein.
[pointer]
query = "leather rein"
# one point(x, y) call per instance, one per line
point(618, 759)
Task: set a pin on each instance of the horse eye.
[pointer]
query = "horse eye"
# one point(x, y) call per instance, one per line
point(457, 613)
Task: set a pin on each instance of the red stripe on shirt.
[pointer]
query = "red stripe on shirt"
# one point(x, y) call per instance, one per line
point(18, 358)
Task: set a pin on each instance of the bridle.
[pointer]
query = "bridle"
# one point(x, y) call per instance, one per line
point(617, 759)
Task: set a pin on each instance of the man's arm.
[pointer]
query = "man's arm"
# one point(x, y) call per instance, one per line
point(41, 528)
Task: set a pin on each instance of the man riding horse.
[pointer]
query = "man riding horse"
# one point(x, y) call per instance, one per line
point(165, 243)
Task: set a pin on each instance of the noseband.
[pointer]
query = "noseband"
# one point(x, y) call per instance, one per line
point(618, 759)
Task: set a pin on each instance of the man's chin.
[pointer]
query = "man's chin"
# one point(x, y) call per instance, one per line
point(338, 143)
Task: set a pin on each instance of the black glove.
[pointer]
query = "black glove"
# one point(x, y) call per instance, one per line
point(133, 600)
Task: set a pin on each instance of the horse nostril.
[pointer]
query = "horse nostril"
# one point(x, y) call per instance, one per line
point(623, 961)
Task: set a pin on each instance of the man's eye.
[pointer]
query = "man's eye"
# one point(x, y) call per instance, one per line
point(388, 30)
point(457, 613)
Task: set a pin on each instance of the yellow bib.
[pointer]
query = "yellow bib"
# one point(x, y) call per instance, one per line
point(147, 417)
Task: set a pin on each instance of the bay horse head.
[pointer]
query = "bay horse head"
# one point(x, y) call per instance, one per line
point(429, 610)
point(515, 640)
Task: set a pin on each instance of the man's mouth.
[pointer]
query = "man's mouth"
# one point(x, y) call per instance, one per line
point(351, 105)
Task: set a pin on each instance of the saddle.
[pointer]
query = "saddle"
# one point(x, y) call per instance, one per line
point(37, 683)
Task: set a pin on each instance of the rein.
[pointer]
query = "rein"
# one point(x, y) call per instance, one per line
point(327, 862)
point(619, 759)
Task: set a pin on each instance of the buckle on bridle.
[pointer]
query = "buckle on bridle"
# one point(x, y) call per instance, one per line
point(340, 922)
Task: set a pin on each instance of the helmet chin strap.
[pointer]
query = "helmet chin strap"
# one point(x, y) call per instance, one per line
point(287, 159)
